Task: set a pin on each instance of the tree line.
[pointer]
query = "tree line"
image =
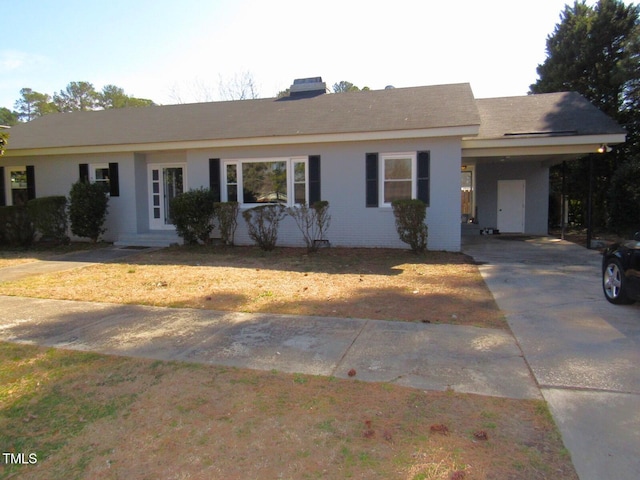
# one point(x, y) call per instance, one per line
point(77, 96)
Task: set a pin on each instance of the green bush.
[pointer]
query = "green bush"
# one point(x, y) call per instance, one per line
point(192, 213)
point(410, 223)
point(88, 207)
point(49, 215)
point(263, 223)
point(16, 228)
point(227, 214)
point(312, 221)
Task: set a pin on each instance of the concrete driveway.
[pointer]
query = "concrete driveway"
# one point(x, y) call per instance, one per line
point(583, 351)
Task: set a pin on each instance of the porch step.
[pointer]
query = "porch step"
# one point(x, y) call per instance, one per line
point(149, 239)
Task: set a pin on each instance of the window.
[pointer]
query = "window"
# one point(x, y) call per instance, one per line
point(100, 174)
point(397, 176)
point(106, 174)
point(17, 185)
point(251, 182)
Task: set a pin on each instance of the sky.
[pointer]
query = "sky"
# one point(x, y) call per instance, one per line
point(182, 51)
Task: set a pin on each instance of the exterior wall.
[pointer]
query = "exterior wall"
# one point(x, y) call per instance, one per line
point(54, 175)
point(536, 177)
point(343, 185)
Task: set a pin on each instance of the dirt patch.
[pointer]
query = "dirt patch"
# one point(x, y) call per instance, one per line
point(436, 287)
point(100, 417)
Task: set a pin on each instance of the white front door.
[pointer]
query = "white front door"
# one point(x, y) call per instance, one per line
point(165, 183)
point(511, 196)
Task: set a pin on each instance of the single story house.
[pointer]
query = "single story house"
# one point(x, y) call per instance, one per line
point(477, 163)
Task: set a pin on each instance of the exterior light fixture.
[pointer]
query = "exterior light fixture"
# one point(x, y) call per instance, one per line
point(604, 148)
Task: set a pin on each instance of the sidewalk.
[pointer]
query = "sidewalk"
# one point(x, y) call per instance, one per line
point(424, 356)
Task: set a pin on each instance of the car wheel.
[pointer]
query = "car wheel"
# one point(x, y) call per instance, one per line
point(614, 283)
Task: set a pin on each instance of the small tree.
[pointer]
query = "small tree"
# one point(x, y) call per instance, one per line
point(227, 213)
point(88, 207)
point(263, 223)
point(192, 213)
point(312, 221)
point(410, 217)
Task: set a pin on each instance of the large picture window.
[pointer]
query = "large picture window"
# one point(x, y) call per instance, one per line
point(254, 182)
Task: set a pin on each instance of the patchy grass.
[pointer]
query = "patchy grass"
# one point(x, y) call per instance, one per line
point(85, 415)
point(436, 287)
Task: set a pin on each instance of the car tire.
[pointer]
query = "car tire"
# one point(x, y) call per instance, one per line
point(614, 283)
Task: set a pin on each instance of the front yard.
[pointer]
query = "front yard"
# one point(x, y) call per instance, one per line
point(88, 416)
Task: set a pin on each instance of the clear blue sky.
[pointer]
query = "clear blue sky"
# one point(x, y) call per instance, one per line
point(165, 50)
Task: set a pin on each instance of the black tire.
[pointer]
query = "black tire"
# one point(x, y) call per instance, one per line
point(614, 283)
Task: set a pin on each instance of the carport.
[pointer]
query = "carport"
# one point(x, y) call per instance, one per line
point(505, 168)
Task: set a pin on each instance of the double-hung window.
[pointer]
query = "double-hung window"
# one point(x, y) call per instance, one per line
point(261, 181)
point(397, 174)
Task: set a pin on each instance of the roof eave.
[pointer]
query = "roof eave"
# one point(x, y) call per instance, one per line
point(491, 147)
point(455, 131)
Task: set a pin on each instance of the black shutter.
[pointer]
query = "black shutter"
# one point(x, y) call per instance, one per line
point(372, 179)
point(214, 178)
point(424, 167)
point(31, 182)
point(84, 172)
point(314, 179)
point(3, 200)
point(114, 180)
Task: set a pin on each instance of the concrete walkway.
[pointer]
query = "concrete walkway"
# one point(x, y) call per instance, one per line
point(583, 351)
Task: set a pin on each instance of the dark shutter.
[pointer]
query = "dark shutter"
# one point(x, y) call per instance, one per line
point(114, 180)
point(314, 179)
point(84, 172)
point(372, 179)
point(424, 167)
point(214, 178)
point(31, 182)
point(3, 199)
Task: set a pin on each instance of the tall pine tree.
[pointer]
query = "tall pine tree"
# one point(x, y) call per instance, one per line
point(595, 50)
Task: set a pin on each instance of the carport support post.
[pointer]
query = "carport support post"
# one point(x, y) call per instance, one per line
point(563, 212)
point(589, 204)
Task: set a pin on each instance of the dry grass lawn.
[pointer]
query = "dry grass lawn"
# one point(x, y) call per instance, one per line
point(89, 416)
point(436, 287)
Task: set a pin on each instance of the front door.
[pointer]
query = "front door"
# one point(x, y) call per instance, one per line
point(511, 206)
point(165, 183)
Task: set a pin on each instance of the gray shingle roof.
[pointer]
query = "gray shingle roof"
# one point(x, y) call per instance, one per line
point(354, 112)
point(566, 113)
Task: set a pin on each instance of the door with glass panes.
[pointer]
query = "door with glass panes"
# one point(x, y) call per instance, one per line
point(165, 183)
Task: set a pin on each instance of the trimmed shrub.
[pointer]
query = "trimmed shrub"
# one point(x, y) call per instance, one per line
point(227, 214)
point(49, 215)
point(88, 207)
point(410, 217)
point(312, 221)
point(16, 228)
point(192, 213)
point(263, 223)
